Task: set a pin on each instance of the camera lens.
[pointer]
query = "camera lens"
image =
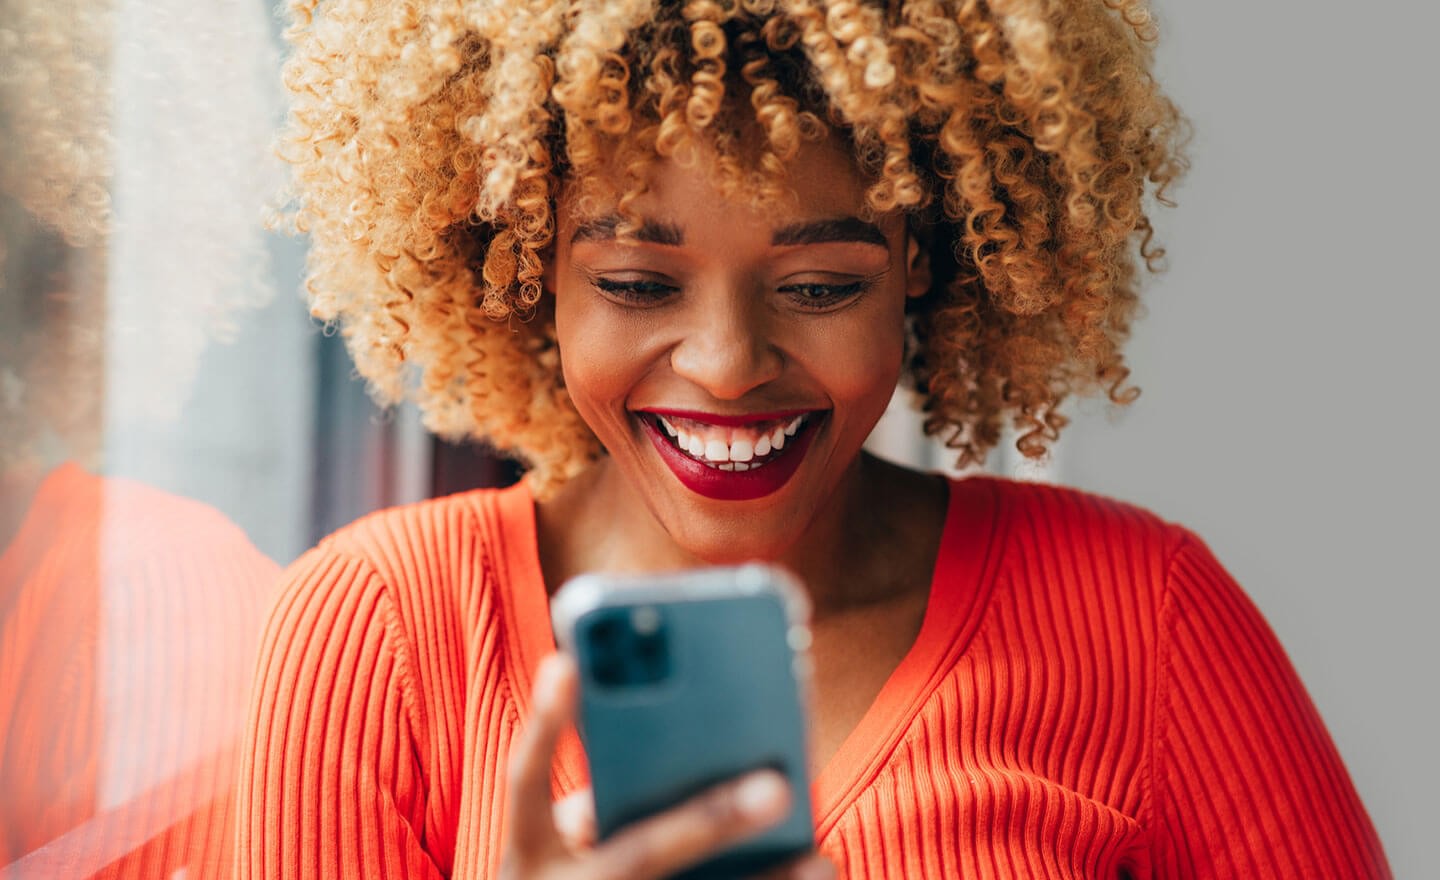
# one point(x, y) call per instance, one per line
point(606, 630)
point(628, 647)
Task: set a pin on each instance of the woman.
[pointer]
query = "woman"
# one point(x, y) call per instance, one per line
point(677, 256)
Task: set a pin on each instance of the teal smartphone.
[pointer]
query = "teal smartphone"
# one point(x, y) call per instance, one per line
point(686, 680)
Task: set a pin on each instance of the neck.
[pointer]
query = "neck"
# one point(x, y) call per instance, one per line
point(853, 552)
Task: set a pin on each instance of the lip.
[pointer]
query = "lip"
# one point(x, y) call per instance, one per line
point(732, 485)
point(725, 421)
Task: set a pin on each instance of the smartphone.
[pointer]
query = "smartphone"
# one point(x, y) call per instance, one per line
point(686, 680)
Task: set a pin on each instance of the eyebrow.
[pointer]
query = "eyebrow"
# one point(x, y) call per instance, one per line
point(842, 229)
point(652, 231)
point(838, 229)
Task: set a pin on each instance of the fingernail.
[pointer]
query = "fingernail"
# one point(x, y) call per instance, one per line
point(545, 678)
point(762, 795)
point(545, 672)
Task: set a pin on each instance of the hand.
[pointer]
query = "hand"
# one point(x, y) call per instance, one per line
point(555, 843)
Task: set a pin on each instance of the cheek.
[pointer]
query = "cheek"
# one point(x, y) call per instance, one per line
point(859, 362)
point(596, 356)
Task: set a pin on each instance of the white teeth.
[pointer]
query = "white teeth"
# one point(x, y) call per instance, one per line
point(739, 452)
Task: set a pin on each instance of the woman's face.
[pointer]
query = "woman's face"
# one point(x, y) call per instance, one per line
point(732, 362)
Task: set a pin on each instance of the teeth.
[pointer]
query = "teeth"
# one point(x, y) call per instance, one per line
point(736, 454)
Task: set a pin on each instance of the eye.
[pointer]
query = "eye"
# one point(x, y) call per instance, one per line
point(824, 296)
point(635, 291)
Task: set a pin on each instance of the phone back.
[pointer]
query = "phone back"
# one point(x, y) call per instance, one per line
point(688, 680)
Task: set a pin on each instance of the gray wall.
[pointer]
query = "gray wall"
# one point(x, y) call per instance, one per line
point(1288, 369)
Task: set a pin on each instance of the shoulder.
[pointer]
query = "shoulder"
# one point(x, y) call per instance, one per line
point(1056, 538)
point(139, 524)
point(1078, 515)
point(395, 540)
point(1050, 520)
point(1102, 551)
point(427, 558)
point(427, 545)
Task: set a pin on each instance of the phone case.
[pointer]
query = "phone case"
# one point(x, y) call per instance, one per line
point(689, 679)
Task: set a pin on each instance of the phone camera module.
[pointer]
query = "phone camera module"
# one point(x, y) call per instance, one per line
point(628, 647)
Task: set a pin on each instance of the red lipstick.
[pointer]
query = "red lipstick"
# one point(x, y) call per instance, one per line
point(721, 485)
point(728, 421)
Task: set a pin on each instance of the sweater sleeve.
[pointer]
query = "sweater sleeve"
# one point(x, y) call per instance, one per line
point(1246, 780)
point(332, 781)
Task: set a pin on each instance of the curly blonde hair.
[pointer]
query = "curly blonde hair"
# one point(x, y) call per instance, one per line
point(1021, 137)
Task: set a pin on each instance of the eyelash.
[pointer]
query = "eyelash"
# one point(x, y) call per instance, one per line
point(650, 293)
point(830, 294)
point(637, 292)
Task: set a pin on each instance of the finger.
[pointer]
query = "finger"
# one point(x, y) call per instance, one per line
point(575, 820)
point(532, 828)
point(664, 844)
point(811, 867)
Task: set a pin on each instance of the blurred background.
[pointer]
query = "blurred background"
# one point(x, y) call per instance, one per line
point(156, 355)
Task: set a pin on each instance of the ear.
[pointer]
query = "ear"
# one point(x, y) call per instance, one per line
point(917, 267)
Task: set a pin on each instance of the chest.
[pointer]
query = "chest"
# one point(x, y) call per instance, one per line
point(995, 775)
point(854, 656)
point(939, 813)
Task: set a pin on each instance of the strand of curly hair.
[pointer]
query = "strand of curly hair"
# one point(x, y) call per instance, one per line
point(1023, 138)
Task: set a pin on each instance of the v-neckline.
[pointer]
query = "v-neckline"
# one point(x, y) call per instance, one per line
point(953, 612)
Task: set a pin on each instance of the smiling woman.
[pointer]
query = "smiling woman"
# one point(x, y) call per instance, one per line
point(677, 257)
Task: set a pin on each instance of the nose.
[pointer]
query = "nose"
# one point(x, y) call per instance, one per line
point(728, 348)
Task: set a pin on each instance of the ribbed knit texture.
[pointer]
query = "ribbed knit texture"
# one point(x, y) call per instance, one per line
point(1090, 695)
point(129, 621)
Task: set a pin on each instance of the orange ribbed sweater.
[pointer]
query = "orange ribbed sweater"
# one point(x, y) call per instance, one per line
point(1090, 695)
